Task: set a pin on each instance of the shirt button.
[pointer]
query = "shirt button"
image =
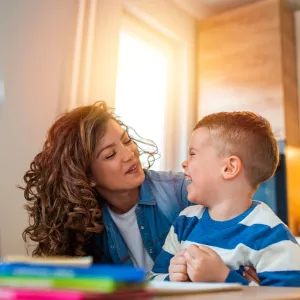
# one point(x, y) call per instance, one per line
point(142, 227)
point(150, 250)
point(112, 246)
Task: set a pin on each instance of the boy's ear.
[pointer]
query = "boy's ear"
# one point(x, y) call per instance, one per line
point(232, 167)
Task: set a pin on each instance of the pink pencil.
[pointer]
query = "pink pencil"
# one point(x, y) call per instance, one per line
point(24, 294)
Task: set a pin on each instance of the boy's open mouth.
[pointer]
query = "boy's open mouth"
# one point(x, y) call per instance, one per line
point(187, 177)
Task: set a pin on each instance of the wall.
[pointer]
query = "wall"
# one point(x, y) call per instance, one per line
point(297, 34)
point(293, 153)
point(37, 40)
point(246, 62)
point(234, 72)
point(289, 75)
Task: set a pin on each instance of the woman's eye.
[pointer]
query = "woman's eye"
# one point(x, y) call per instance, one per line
point(192, 154)
point(110, 156)
point(128, 141)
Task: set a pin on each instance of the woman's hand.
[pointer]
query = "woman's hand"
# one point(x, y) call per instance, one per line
point(250, 274)
point(178, 267)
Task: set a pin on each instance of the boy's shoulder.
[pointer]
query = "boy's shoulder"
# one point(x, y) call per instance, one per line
point(193, 211)
point(262, 214)
point(265, 227)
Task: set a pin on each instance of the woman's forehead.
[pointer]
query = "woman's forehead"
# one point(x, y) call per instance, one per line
point(113, 131)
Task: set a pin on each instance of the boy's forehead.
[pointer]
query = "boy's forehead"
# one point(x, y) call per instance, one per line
point(201, 136)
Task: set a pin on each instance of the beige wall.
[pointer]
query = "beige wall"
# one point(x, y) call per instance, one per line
point(36, 49)
point(35, 39)
point(242, 64)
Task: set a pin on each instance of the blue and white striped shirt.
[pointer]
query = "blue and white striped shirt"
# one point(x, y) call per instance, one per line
point(255, 238)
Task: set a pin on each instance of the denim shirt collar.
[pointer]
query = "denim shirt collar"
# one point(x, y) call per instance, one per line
point(146, 196)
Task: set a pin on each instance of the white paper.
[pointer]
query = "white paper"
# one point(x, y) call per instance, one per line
point(167, 287)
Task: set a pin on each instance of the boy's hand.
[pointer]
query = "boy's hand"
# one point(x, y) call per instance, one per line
point(178, 267)
point(205, 265)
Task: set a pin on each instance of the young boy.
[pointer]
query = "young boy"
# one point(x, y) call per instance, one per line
point(230, 154)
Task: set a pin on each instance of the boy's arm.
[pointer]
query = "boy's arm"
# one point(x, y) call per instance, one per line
point(160, 270)
point(276, 260)
point(279, 263)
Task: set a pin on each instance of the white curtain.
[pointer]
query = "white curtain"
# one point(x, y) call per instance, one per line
point(95, 58)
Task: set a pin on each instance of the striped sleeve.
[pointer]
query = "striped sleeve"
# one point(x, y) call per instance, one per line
point(278, 261)
point(160, 270)
point(276, 257)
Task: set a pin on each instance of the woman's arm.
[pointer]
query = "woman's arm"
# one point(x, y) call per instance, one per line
point(182, 191)
point(99, 249)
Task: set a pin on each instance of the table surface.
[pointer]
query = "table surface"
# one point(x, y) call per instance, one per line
point(247, 293)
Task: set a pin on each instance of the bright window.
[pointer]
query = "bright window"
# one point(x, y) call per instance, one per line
point(143, 83)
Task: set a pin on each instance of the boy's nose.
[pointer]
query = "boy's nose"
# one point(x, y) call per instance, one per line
point(184, 164)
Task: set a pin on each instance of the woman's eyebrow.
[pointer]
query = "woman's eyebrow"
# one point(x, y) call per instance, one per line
point(111, 145)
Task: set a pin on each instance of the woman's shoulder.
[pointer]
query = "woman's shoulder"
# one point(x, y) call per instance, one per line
point(163, 175)
point(165, 187)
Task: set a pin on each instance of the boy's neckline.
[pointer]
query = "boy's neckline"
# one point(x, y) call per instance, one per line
point(209, 222)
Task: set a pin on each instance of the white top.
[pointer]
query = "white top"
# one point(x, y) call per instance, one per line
point(128, 227)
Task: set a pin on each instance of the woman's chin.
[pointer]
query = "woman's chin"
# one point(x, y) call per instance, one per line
point(138, 178)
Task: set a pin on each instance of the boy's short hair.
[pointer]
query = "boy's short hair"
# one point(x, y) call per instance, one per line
point(248, 136)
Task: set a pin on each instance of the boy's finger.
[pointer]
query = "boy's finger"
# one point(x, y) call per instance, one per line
point(179, 277)
point(178, 269)
point(189, 258)
point(180, 252)
point(195, 251)
point(206, 249)
point(178, 260)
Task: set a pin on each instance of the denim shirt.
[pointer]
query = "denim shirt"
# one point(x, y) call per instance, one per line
point(163, 196)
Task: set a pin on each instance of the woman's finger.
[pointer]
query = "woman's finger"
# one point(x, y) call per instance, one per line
point(250, 274)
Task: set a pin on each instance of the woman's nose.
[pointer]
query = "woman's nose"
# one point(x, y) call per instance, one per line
point(184, 164)
point(128, 154)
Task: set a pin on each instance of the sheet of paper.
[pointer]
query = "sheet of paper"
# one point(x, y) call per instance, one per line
point(166, 287)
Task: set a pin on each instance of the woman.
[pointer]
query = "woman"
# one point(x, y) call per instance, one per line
point(89, 174)
point(88, 193)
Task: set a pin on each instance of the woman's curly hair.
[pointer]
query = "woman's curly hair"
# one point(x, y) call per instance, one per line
point(64, 210)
